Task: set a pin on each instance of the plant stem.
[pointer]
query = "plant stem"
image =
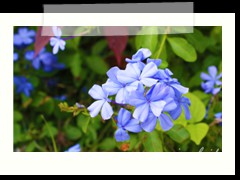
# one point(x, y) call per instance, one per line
point(50, 133)
point(162, 43)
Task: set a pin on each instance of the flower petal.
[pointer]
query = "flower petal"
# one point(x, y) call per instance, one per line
point(186, 111)
point(131, 74)
point(122, 96)
point(205, 77)
point(111, 87)
point(176, 112)
point(124, 116)
point(97, 92)
point(150, 124)
point(180, 88)
point(170, 104)
point(149, 82)
point(212, 71)
point(157, 107)
point(141, 112)
point(107, 111)
point(165, 122)
point(215, 91)
point(149, 70)
point(112, 74)
point(95, 108)
point(55, 48)
point(157, 62)
point(133, 126)
point(121, 135)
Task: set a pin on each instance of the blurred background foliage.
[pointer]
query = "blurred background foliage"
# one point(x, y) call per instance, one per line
point(39, 122)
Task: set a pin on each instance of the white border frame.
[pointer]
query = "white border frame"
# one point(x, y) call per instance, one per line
point(115, 163)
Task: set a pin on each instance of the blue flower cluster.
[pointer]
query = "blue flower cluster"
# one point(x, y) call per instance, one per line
point(212, 81)
point(45, 60)
point(151, 93)
point(56, 41)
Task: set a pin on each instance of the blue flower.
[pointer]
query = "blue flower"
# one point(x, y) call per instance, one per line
point(139, 56)
point(125, 123)
point(80, 106)
point(218, 117)
point(102, 104)
point(212, 81)
point(24, 37)
point(182, 103)
point(61, 97)
point(22, 85)
point(164, 76)
point(56, 41)
point(75, 148)
point(45, 59)
point(156, 100)
point(133, 74)
point(114, 87)
point(15, 56)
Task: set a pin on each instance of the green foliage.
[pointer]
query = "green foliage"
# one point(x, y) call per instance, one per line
point(197, 132)
point(183, 49)
point(178, 133)
point(153, 142)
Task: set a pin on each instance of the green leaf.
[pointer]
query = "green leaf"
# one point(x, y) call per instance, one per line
point(181, 120)
point(50, 127)
point(17, 116)
point(197, 132)
point(108, 144)
point(178, 133)
point(73, 133)
point(147, 41)
point(30, 147)
point(75, 64)
point(34, 80)
point(195, 80)
point(17, 133)
point(99, 46)
point(153, 142)
point(47, 106)
point(97, 65)
point(197, 108)
point(83, 122)
point(198, 40)
point(182, 49)
point(205, 98)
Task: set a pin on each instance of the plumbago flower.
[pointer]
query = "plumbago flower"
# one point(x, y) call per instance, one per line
point(75, 148)
point(212, 81)
point(151, 93)
point(24, 37)
point(23, 85)
point(44, 59)
point(56, 41)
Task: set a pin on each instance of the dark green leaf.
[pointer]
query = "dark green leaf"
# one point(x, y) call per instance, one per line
point(178, 133)
point(153, 142)
point(108, 144)
point(83, 122)
point(73, 133)
point(97, 65)
point(17, 116)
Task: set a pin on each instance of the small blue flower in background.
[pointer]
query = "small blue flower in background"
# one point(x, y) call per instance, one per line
point(182, 103)
point(102, 104)
point(24, 37)
point(211, 81)
point(15, 56)
point(75, 148)
point(114, 87)
point(139, 56)
point(125, 123)
point(45, 60)
point(218, 116)
point(61, 97)
point(56, 41)
point(23, 85)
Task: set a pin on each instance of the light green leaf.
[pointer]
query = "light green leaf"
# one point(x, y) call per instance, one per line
point(182, 49)
point(147, 41)
point(73, 133)
point(198, 40)
point(197, 132)
point(178, 133)
point(197, 108)
point(153, 142)
point(108, 144)
point(83, 122)
point(97, 64)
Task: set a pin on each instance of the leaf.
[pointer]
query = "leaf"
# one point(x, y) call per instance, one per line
point(182, 49)
point(197, 108)
point(75, 64)
point(83, 122)
point(99, 46)
point(97, 65)
point(108, 144)
point(178, 133)
point(116, 43)
point(147, 41)
point(17, 116)
point(195, 80)
point(153, 142)
point(42, 41)
point(30, 147)
point(73, 133)
point(47, 129)
point(198, 40)
point(197, 132)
